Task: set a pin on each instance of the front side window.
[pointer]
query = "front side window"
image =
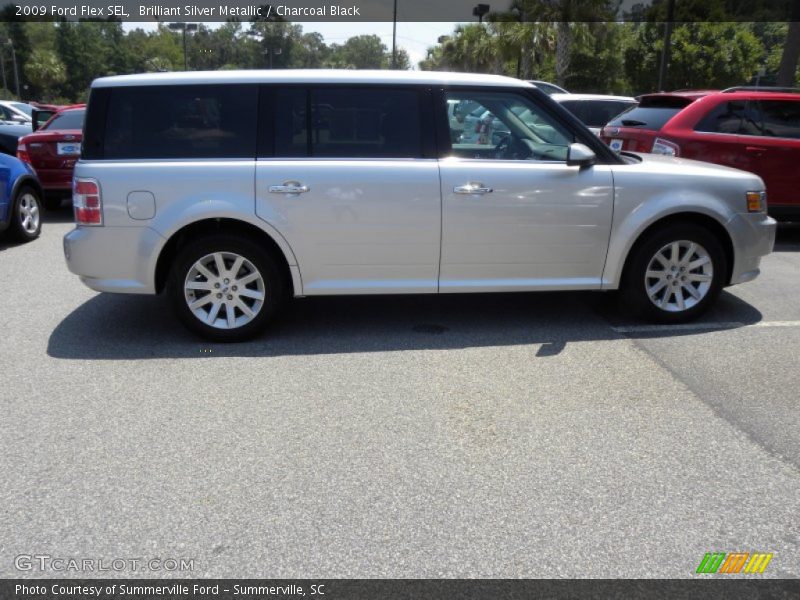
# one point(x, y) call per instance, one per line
point(348, 123)
point(182, 121)
point(504, 126)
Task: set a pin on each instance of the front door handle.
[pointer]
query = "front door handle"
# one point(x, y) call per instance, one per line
point(755, 149)
point(289, 187)
point(472, 188)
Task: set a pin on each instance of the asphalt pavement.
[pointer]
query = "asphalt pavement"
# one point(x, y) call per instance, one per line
point(511, 435)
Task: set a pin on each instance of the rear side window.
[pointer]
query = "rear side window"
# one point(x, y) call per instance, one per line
point(71, 119)
point(595, 113)
point(181, 121)
point(645, 118)
point(348, 123)
point(726, 117)
point(781, 118)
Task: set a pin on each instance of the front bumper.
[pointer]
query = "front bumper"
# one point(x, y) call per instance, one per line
point(753, 237)
point(114, 259)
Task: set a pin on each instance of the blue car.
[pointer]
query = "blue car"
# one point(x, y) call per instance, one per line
point(20, 199)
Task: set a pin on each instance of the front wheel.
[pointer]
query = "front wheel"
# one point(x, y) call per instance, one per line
point(675, 274)
point(26, 218)
point(225, 288)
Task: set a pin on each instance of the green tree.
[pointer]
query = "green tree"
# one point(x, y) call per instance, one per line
point(704, 55)
point(45, 71)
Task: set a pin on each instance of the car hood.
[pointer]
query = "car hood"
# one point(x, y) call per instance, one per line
point(676, 164)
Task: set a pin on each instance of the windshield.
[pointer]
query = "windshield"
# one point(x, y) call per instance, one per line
point(595, 113)
point(26, 108)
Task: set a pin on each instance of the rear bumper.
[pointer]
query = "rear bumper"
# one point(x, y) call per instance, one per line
point(114, 259)
point(753, 238)
point(55, 179)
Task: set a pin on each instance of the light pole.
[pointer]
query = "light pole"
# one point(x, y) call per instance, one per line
point(10, 44)
point(480, 10)
point(3, 68)
point(394, 37)
point(662, 70)
point(268, 51)
point(183, 28)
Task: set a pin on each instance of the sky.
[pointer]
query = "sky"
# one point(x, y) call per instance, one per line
point(415, 38)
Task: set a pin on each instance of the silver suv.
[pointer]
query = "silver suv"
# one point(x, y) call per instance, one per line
point(235, 190)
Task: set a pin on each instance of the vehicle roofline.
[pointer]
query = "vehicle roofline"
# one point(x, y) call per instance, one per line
point(313, 76)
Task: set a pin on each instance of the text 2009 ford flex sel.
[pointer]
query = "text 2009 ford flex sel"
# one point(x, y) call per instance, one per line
point(234, 190)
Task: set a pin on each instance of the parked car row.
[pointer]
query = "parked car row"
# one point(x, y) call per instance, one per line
point(41, 173)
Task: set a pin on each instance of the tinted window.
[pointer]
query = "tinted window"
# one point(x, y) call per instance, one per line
point(781, 118)
point(645, 118)
point(726, 117)
point(71, 119)
point(182, 121)
point(291, 127)
point(349, 123)
point(595, 113)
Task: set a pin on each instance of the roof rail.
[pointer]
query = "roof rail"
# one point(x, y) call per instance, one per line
point(756, 88)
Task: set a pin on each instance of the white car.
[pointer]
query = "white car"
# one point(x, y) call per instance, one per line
point(16, 112)
point(594, 110)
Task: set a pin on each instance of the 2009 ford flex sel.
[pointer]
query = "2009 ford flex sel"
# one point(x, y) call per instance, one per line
point(233, 190)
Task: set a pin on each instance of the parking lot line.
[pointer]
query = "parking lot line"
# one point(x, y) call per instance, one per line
point(701, 326)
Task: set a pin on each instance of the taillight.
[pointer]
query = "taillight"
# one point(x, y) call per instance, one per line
point(22, 153)
point(662, 146)
point(87, 201)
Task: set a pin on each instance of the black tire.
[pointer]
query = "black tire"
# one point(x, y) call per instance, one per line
point(26, 201)
point(52, 202)
point(273, 287)
point(635, 299)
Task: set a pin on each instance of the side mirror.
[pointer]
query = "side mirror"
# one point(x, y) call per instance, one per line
point(579, 155)
point(19, 119)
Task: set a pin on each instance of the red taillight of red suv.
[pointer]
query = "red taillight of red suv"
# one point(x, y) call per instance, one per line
point(87, 201)
point(22, 154)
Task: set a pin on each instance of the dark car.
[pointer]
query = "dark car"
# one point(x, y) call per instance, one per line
point(10, 133)
point(20, 199)
point(53, 151)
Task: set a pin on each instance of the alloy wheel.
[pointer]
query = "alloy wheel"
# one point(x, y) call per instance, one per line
point(29, 213)
point(679, 276)
point(224, 290)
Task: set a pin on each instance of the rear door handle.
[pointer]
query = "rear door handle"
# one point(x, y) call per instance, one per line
point(289, 187)
point(472, 188)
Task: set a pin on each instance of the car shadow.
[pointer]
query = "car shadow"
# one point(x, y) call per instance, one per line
point(63, 214)
point(787, 238)
point(117, 327)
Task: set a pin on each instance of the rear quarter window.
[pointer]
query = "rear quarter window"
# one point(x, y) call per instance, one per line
point(181, 121)
point(645, 117)
point(71, 119)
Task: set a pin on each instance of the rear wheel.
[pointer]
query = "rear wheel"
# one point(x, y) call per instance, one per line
point(675, 275)
point(26, 217)
point(225, 288)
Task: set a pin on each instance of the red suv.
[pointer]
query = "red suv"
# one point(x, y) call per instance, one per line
point(750, 129)
point(53, 151)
